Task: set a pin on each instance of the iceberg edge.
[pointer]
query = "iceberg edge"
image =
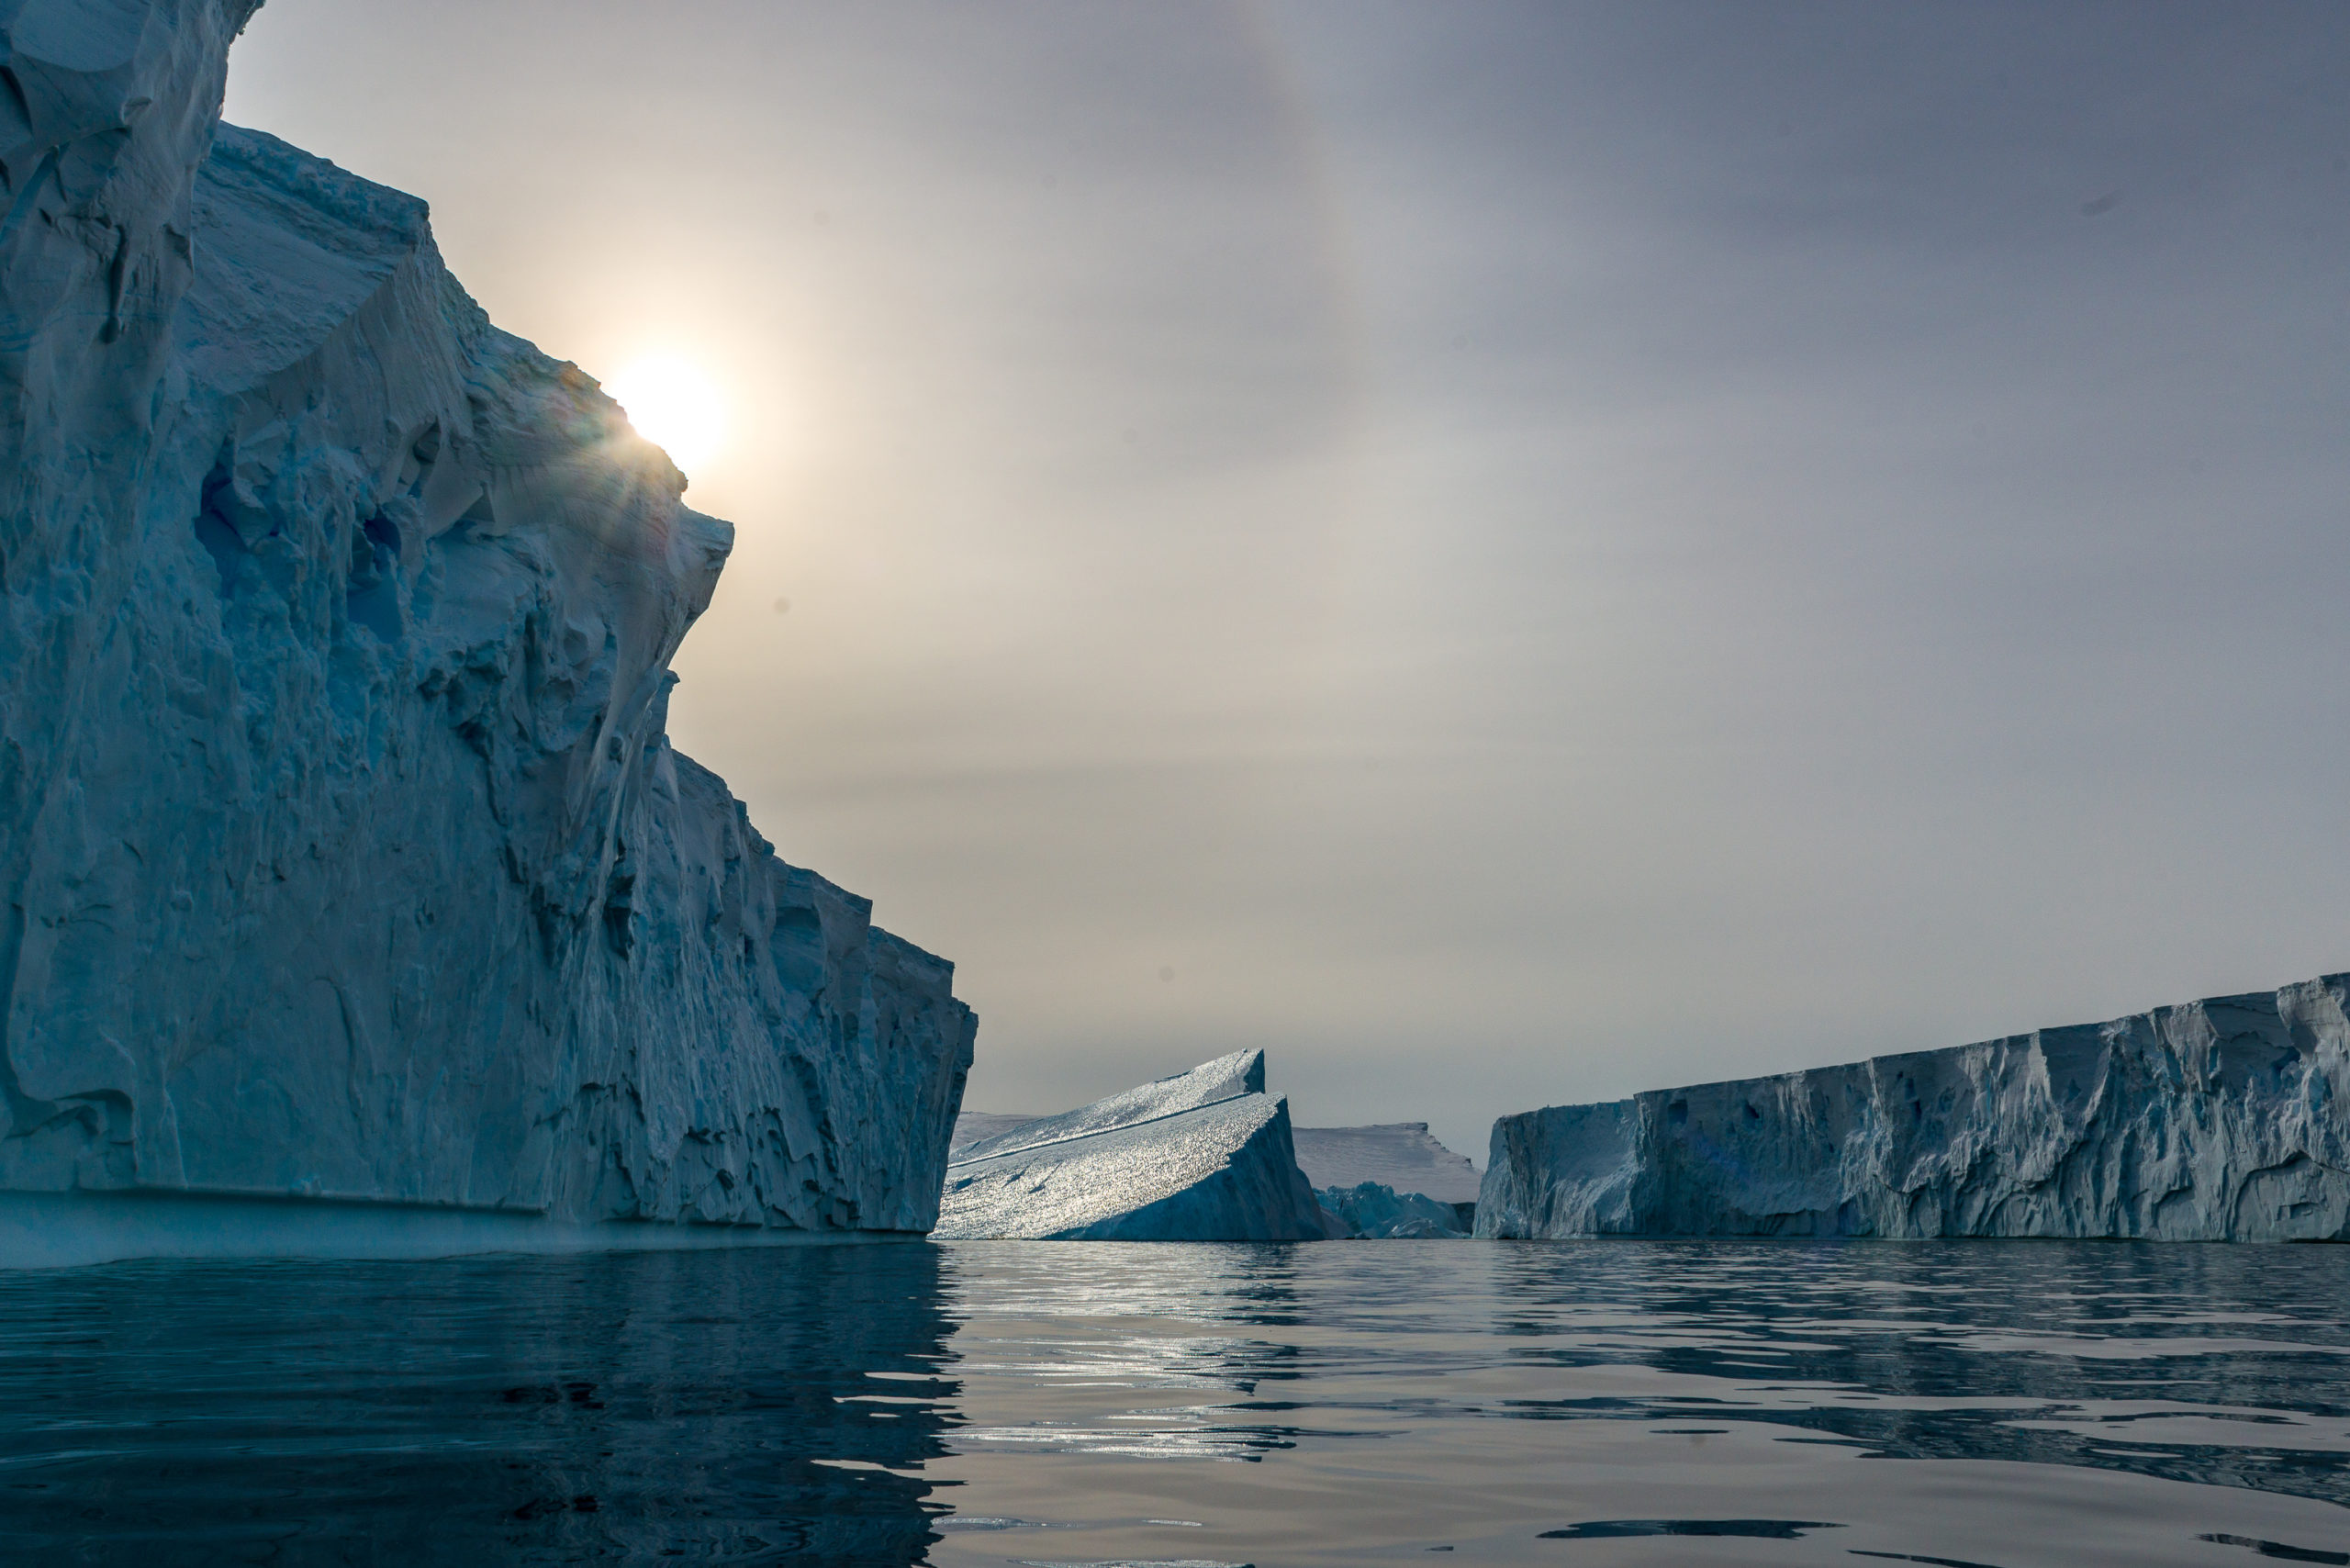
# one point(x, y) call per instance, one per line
point(2226, 1119)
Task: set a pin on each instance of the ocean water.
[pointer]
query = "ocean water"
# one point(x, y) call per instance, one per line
point(2022, 1405)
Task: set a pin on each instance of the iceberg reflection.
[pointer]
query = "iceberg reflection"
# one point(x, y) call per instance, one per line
point(753, 1405)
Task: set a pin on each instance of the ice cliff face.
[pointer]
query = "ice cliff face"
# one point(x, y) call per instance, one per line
point(1204, 1156)
point(342, 851)
point(2227, 1119)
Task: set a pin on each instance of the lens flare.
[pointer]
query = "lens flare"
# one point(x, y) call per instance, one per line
point(672, 404)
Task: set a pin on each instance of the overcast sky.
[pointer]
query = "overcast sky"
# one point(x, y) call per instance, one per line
point(1505, 553)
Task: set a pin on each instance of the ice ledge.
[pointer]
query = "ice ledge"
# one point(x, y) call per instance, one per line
point(65, 1230)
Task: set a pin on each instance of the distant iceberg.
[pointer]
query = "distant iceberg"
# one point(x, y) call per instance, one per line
point(2220, 1120)
point(1371, 1211)
point(351, 895)
point(1203, 1156)
point(1400, 1155)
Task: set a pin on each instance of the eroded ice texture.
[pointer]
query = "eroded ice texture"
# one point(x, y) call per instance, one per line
point(1204, 1156)
point(1400, 1155)
point(2226, 1119)
point(342, 851)
point(1373, 1211)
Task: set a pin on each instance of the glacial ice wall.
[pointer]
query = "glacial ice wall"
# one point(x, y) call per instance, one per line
point(344, 855)
point(2221, 1120)
point(1203, 1156)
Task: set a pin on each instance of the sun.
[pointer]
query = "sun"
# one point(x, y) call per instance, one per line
point(673, 405)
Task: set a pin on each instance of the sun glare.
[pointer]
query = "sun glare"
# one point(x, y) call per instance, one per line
point(673, 405)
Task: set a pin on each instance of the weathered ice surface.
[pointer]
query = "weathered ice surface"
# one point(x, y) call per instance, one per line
point(1203, 1156)
point(1399, 1155)
point(343, 856)
point(971, 1127)
point(1372, 1211)
point(2226, 1119)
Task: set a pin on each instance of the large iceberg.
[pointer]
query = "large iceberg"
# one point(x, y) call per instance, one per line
point(343, 856)
point(2226, 1119)
point(1203, 1156)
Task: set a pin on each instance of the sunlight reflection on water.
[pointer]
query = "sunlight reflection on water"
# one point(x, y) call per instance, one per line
point(2007, 1405)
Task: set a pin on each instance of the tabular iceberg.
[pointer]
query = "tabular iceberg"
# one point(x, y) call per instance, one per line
point(1203, 1156)
point(1399, 1155)
point(2226, 1119)
point(344, 855)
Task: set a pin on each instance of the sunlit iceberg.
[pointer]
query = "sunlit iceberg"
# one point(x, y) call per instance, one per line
point(1204, 1156)
point(2226, 1119)
point(971, 1127)
point(351, 893)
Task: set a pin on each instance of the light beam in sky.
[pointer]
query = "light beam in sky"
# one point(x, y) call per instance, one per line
point(672, 404)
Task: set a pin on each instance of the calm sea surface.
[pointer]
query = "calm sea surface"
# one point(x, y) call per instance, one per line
point(1580, 1405)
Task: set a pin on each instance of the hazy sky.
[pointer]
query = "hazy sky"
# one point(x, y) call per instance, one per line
point(1505, 553)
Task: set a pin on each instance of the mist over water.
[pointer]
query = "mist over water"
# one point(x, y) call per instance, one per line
point(2011, 1405)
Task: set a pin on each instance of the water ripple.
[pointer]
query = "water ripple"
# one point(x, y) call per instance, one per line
point(1969, 1405)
